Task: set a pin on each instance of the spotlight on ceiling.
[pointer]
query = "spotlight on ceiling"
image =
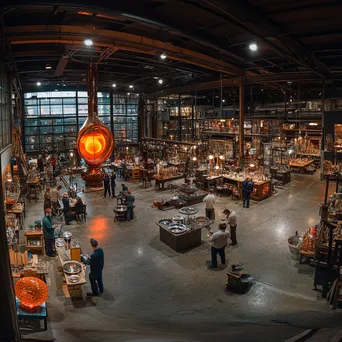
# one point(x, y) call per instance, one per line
point(253, 47)
point(88, 42)
point(48, 66)
point(114, 85)
point(128, 94)
point(64, 84)
point(39, 84)
point(163, 56)
point(160, 81)
point(223, 100)
point(131, 86)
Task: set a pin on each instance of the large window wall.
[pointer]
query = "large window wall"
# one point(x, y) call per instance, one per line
point(53, 119)
point(5, 108)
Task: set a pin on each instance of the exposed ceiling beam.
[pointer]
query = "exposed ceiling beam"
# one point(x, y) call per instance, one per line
point(232, 82)
point(74, 35)
point(255, 22)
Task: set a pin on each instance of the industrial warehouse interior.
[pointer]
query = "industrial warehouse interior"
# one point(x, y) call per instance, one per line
point(171, 171)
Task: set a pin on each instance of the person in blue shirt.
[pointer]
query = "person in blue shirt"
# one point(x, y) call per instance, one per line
point(96, 262)
point(247, 189)
point(48, 231)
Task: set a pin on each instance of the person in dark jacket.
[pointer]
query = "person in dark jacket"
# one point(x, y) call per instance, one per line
point(130, 205)
point(106, 184)
point(96, 262)
point(66, 208)
point(41, 164)
point(48, 231)
point(79, 209)
point(244, 191)
point(113, 183)
point(247, 189)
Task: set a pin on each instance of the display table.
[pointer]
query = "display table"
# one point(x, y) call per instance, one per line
point(33, 190)
point(300, 167)
point(73, 290)
point(34, 241)
point(283, 176)
point(160, 182)
point(261, 190)
point(40, 313)
point(18, 210)
point(180, 242)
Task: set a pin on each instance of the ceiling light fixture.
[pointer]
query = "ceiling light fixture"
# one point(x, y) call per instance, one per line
point(114, 85)
point(131, 86)
point(160, 81)
point(39, 84)
point(48, 66)
point(313, 124)
point(253, 47)
point(223, 100)
point(128, 94)
point(88, 42)
point(163, 56)
point(64, 84)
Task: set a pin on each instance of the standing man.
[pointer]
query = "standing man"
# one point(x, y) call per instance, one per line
point(249, 186)
point(48, 230)
point(232, 222)
point(130, 204)
point(55, 197)
point(209, 205)
point(219, 240)
point(244, 191)
point(66, 208)
point(113, 183)
point(96, 262)
point(106, 184)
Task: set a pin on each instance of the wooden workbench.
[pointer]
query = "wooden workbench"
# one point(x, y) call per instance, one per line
point(261, 190)
point(160, 182)
point(301, 166)
point(64, 256)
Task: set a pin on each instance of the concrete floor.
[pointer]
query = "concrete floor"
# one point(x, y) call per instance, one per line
point(155, 294)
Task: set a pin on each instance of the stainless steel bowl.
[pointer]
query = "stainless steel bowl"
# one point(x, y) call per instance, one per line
point(67, 235)
point(176, 228)
point(60, 243)
point(74, 278)
point(165, 221)
point(120, 209)
point(294, 242)
point(72, 267)
point(179, 219)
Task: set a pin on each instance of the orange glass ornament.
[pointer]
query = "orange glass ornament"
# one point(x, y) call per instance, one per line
point(95, 142)
point(31, 291)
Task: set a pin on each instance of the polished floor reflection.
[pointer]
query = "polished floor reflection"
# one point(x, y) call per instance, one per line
point(153, 292)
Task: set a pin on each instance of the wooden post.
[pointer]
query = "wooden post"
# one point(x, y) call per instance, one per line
point(241, 124)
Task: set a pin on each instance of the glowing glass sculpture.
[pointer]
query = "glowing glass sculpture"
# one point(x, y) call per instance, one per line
point(95, 142)
point(31, 291)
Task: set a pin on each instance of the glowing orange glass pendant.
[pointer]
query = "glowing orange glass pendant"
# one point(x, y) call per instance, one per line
point(31, 291)
point(95, 142)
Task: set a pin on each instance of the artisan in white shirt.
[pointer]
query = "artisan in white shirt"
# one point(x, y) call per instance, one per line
point(219, 239)
point(232, 219)
point(209, 201)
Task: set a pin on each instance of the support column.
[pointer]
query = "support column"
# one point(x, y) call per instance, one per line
point(323, 132)
point(192, 121)
point(9, 320)
point(112, 122)
point(241, 124)
point(179, 118)
point(141, 119)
